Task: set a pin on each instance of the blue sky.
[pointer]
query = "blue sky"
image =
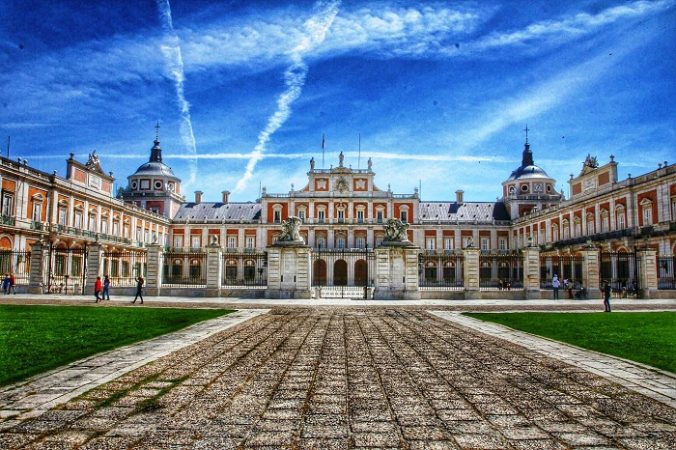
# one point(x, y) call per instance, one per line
point(439, 91)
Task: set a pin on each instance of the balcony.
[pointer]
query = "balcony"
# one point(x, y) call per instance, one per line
point(7, 220)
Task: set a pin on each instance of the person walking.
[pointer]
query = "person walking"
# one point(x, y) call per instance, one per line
point(97, 289)
point(106, 288)
point(606, 296)
point(5, 284)
point(139, 289)
point(12, 283)
point(555, 286)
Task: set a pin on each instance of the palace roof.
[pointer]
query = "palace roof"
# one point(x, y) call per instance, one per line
point(462, 212)
point(219, 212)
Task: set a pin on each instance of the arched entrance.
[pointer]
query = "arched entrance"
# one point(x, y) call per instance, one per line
point(340, 273)
point(360, 273)
point(319, 273)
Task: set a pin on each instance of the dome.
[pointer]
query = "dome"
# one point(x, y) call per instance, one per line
point(528, 170)
point(155, 166)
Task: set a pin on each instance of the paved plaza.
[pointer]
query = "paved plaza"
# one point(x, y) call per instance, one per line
point(298, 377)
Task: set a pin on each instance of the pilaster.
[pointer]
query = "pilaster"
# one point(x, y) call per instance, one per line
point(590, 271)
point(647, 272)
point(37, 275)
point(531, 272)
point(94, 258)
point(153, 282)
point(214, 269)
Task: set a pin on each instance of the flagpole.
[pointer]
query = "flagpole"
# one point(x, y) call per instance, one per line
point(359, 154)
point(323, 139)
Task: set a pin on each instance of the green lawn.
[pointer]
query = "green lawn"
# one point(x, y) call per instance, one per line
point(35, 339)
point(649, 338)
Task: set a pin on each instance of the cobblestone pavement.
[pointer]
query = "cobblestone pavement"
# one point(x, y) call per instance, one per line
point(340, 378)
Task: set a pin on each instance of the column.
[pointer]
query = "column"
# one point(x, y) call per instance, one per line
point(396, 273)
point(214, 269)
point(289, 273)
point(647, 272)
point(471, 272)
point(38, 270)
point(154, 276)
point(531, 272)
point(94, 258)
point(590, 271)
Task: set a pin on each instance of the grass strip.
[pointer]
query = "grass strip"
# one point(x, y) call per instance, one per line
point(645, 337)
point(35, 338)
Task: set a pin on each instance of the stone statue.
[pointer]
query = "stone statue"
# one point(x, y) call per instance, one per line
point(312, 163)
point(395, 231)
point(370, 164)
point(470, 242)
point(291, 232)
point(94, 163)
point(341, 158)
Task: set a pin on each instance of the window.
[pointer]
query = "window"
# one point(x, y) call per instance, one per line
point(302, 214)
point(620, 218)
point(360, 215)
point(566, 230)
point(341, 215)
point(361, 242)
point(145, 184)
point(578, 227)
point(321, 242)
point(448, 243)
point(116, 228)
point(340, 242)
point(77, 219)
point(590, 224)
point(250, 241)
point(484, 244)
point(404, 215)
point(555, 233)
point(139, 234)
point(647, 212)
point(605, 221)
point(104, 225)
point(379, 215)
point(178, 241)
point(502, 244)
point(321, 215)
point(195, 241)
point(232, 242)
point(92, 223)
point(430, 243)
point(277, 215)
point(63, 214)
point(37, 211)
point(146, 234)
point(7, 204)
point(541, 236)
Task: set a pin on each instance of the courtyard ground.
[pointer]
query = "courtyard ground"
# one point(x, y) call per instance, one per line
point(392, 376)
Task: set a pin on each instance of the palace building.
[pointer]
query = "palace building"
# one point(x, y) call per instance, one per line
point(342, 212)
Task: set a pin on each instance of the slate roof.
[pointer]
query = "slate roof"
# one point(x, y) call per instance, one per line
point(228, 212)
point(462, 212)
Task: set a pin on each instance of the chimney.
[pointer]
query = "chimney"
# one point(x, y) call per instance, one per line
point(198, 197)
point(458, 195)
point(226, 196)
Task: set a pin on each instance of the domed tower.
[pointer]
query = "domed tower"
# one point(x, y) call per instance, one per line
point(154, 186)
point(528, 187)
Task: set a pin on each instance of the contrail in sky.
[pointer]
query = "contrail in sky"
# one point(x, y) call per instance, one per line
point(316, 28)
point(171, 50)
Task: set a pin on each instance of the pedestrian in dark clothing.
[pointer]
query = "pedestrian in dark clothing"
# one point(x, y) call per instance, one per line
point(139, 289)
point(555, 286)
point(106, 288)
point(5, 284)
point(606, 296)
point(97, 289)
